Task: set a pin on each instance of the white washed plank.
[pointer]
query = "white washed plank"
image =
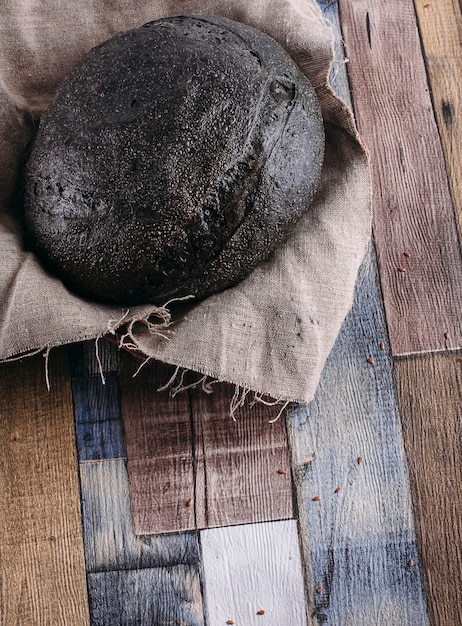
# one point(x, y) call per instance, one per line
point(250, 568)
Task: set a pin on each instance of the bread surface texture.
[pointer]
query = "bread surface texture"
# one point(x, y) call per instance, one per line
point(172, 162)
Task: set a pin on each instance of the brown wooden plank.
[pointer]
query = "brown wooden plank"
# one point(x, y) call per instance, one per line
point(413, 211)
point(242, 467)
point(41, 547)
point(440, 25)
point(430, 395)
point(191, 466)
point(159, 449)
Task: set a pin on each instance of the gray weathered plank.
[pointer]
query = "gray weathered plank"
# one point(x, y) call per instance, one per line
point(354, 501)
point(252, 568)
point(131, 579)
point(414, 220)
point(147, 597)
point(110, 541)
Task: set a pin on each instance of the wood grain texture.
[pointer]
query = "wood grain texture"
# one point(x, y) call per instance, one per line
point(41, 547)
point(440, 25)
point(353, 494)
point(147, 597)
point(242, 467)
point(110, 541)
point(191, 466)
point(413, 211)
point(88, 358)
point(98, 420)
point(430, 397)
point(252, 568)
point(159, 442)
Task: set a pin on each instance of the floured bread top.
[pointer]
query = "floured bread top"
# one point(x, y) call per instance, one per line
point(172, 162)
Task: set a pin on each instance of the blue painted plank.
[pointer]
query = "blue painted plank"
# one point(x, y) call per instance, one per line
point(98, 421)
point(131, 579)
point(358, 540)
point(148, 597)
point(87, 358)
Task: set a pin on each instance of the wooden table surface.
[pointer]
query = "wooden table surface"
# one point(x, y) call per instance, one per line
point(122, 505)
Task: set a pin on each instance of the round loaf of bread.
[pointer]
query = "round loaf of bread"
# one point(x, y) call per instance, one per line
point(172, 162)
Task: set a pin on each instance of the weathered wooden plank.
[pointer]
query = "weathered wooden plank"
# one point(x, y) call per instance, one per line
point(146, 597)
point(413, 211)
point(253, 568)
point(159, 443)
point(87, 358)
point(242, 467)
point(441, 31)
point(430, 395)
point(98, 420)
point(41, 547)
point(110, 541)
point(191, 466)
point(353, 493)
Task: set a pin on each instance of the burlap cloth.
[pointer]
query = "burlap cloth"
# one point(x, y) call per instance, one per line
point(273, 332)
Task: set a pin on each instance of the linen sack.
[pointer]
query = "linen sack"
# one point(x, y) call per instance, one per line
point(270, 334)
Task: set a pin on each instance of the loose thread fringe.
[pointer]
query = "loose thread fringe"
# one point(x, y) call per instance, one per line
point(47, 371)
point(157, 322)
point(98, 360)
point(25, 355)
point(176, 385)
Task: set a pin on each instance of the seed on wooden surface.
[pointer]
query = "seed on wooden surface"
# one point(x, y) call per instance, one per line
point(410, 563)
point(318, 590)
point(360, 459)
point(281, 471)
point(446, 335)
point(370, 360)
point(382, 345)
point(338, 489)
point(189, 503)
point(316, 498)
point(407, 254)
point(230, 621)
point(401, 269)
point(261, 612)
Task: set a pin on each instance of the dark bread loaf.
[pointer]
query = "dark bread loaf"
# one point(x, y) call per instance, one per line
point(172, 162)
